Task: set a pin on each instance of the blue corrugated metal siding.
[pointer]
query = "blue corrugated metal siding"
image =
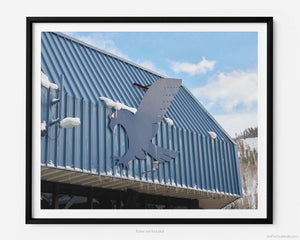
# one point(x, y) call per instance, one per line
point(202, 163)
point(90, 74)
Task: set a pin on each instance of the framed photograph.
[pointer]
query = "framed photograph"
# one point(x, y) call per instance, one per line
point(141, 120)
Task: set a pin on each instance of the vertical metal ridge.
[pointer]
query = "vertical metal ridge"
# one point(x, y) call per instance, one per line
point(201, 162)
point(234, 169)
point(238, 171)
point(196, 160)
point(176, 160)
point(229, 187)
point(191, 152)
point(214, 164)
point(219, 166)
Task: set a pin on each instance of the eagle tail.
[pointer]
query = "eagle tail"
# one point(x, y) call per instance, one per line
point(161, 154)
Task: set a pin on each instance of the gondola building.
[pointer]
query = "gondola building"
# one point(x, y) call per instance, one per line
point(78, 148)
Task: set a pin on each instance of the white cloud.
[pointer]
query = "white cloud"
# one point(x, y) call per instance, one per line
point(100, 41)
point(230, 89)
point(237, 123)
point(151, 66)
point(192, 69)
point(147, 64)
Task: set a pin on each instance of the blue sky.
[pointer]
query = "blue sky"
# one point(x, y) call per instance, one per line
point(219, 68)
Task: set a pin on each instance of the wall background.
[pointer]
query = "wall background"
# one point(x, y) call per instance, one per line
point(286, 116)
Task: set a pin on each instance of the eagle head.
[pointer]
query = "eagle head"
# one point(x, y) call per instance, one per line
point(119, 117)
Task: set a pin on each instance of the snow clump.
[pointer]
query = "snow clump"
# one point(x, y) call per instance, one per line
point(117, 105)
point(46, 83)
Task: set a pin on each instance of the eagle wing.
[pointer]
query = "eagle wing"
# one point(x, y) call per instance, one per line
point(157, 99)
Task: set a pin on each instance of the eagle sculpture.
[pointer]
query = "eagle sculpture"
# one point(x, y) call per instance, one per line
point(142, 126)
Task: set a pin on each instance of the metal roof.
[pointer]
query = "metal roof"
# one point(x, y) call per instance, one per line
point(91, 73)
point(203, 164)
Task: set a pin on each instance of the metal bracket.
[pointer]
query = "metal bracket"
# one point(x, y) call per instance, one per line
point(61, 100)
point(54, 101)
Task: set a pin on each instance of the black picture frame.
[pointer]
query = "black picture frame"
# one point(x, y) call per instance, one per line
point(29, 118)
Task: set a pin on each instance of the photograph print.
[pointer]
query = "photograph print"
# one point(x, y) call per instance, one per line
point(156, 121)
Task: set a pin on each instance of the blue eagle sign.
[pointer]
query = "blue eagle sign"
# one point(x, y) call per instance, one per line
point(142, 126)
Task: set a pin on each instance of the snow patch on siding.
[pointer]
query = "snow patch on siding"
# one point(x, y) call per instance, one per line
point(137, 178)
point(69, 122)
point(50, 163)
point(46, 83)
point(43, 126)
point(117, 105)
point(213, 135)
point(130, 177)
point(156, 180)
point(169, 121)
